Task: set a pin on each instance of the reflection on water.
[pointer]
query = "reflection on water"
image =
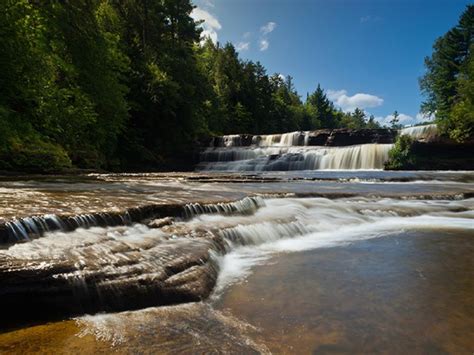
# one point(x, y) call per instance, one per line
point(412, 293)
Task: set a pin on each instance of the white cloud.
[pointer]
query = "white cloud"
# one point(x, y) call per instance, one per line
point(421, 117)
point(247, 34)
point(209, 34)
point(210, 25)
point(403, 119)
point(282, 77)
point(264, 44)
point(268, 28)
point(242, 46)
point(350, 103)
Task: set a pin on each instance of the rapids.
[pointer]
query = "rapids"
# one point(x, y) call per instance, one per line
point(158, 261)
point(307, 150)
point(359, 157)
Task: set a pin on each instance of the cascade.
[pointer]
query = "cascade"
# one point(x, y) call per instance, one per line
point(425, 132)
point(283, 156)
point(130, 267)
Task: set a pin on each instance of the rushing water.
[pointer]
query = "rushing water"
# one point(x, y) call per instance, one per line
point(293, 151)
point(359, 157)
point(303, 261)
point(424, 132)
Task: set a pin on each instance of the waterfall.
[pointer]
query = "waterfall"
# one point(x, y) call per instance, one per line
point(25, 229)
point(425, 132)
point(130, 267)
point(247, 205)
point(283, 157)
point(283, 140)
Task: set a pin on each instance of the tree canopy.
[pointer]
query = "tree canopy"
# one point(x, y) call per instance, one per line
point(128, 84)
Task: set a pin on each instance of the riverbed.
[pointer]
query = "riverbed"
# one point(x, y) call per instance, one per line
point(320, 262)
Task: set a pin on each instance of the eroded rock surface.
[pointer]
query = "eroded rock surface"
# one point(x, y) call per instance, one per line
point(106, 270)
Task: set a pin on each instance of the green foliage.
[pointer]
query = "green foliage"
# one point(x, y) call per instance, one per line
point(321, 109)
point(400, 156)
point(449, 78)
point(395, 121)
point(372, 123)
point(129, 84)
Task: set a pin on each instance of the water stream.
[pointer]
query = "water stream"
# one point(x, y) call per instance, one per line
point(293, 261)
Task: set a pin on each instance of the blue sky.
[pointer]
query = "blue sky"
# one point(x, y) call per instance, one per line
point(365, 53)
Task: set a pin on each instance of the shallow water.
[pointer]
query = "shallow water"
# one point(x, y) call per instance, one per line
point(26, 196)
point(333, 262)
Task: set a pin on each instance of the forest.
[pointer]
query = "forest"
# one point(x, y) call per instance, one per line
point(124, 85)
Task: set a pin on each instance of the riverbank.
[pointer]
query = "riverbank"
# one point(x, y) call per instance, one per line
point(325, 149)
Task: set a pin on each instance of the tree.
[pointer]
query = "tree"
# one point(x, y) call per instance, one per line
point(446, 73)
point(460, 123)
point(394, 121)
point(321, 110)
point(372, 123)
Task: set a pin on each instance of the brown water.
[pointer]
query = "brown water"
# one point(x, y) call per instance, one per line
point(387, 270)
point(27, 196)
point(411, 293)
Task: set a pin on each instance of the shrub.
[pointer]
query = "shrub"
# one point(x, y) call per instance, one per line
point(400, 156)
point(33, 156)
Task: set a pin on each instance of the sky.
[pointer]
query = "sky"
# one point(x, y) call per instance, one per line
point(364, 53)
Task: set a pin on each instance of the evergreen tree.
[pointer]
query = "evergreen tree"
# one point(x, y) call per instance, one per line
point(394, 121)
point(321, 110)
point(449, 61)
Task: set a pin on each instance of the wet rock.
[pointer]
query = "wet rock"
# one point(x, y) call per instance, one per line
point(318, 138)
point(160, 222)
point(107, 275)
point(24, 229)
point(324, 137)
point(344, 136)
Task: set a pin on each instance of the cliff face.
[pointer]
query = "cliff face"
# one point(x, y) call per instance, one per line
point(323, 137)
point(443, 155)
point(345, 136)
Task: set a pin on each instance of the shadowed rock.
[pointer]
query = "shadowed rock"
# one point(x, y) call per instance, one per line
point(24, 229)
point(324, 137)
point(104, 273)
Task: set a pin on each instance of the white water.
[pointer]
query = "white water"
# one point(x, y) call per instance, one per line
point(322, 223)
point(267, 140)
point(357, 157)
point(425, 132)
point(278, 226)
point(290, 151)
point(282, 140)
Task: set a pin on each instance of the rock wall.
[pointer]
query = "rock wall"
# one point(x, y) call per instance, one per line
point(325, 137)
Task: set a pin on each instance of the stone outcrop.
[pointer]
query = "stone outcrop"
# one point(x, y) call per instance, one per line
point(324, 137)
point(443, 155)
point(344, 137)
point(23, 229)
point(107, 275)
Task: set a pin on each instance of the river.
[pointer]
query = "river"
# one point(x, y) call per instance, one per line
point(250, 261)
point(314, 261)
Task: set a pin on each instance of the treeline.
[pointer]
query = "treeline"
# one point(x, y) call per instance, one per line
point(449, 80)
point(126, 84)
